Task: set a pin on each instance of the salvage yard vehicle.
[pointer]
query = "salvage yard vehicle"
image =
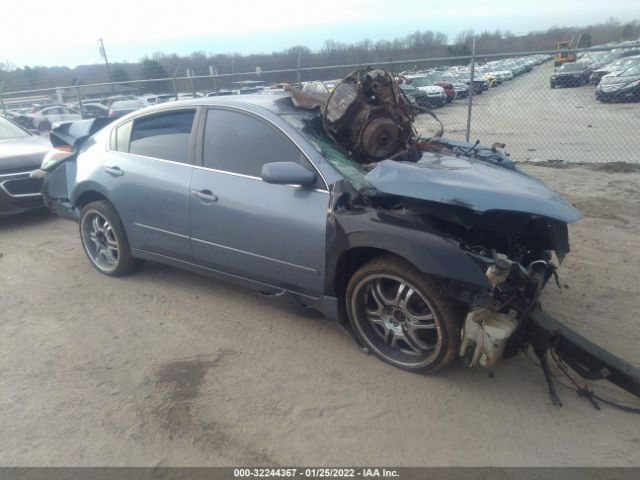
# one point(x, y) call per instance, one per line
point(422, 98)
point(461, 88)
point(436, 96)
point(94, 110)
point(120, 108)
point(622, 86)
point(44, 118)
point(424, 249)
point(570, 75)
point(20, 153)
point(614, 67)
point(562, 56)
point(479, 83)
point(421, 80)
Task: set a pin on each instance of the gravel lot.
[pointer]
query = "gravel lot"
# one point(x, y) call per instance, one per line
point(170, 368)
point(538, 123)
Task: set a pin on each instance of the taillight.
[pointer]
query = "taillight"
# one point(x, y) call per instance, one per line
point(55, 156)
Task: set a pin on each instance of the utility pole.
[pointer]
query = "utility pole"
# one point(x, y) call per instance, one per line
point(213, 72)
point(191, 74)
point(473, 71)
point(4, 109)
point(103, 53)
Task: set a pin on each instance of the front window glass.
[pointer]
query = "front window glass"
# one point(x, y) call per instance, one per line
point(237, 142)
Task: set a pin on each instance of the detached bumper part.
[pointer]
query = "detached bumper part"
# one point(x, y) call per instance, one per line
point(586, 358)
point(485, 336)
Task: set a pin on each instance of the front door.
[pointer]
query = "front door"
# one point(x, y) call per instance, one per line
point(244, 226)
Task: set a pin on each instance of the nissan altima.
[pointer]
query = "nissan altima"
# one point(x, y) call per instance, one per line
point(420, 259)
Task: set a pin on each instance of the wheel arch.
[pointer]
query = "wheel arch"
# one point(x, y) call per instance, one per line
point(430, 254)
point(88, 192)
point(89, 196)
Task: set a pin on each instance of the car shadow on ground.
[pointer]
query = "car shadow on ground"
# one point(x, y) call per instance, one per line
point(518, 373)
point(26, 219)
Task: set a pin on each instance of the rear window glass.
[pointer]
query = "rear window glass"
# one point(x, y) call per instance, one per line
point(165, 136)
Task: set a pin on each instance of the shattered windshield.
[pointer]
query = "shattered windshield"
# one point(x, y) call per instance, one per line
point(310, 125)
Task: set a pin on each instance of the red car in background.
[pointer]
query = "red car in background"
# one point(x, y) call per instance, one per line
point(425, 79)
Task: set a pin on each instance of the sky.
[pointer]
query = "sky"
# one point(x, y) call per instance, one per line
point(42, 32)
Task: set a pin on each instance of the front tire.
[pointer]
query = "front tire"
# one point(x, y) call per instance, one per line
point(105, 241)
point(402, 316)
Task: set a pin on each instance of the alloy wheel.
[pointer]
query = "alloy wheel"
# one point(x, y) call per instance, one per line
point(100, 241)
point(397, 320)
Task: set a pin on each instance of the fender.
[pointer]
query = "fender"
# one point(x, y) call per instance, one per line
point(83, 187)
point(430, 253)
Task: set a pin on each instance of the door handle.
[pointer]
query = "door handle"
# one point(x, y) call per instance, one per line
point(205, 195)
point(115, 171)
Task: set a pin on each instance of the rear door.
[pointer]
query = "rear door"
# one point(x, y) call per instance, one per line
point(148, 174)
point(53, 114)
point(241, 225)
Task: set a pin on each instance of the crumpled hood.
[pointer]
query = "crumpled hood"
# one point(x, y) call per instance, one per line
point(474, 184)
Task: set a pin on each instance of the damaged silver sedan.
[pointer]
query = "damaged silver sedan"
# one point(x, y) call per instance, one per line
point(425, 249)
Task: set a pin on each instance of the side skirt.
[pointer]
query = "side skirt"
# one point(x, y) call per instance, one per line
point(326, 305)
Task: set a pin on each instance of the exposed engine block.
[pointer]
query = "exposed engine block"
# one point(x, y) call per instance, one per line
point(368, 114)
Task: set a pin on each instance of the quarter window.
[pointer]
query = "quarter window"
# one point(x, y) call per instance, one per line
point(120, 137)
point(165, 136)
point(240, 143)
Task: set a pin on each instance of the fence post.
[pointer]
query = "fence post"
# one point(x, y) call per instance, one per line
point(473, 69)
point(4, 109)
point(191, 74)
point(298, 68)
point(213, 72)
point(79, 101)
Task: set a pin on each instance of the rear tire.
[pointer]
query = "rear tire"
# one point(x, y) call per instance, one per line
point(404, 318)
point(105, 241)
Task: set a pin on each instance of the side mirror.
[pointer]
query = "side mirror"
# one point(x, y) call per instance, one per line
point(287, 173)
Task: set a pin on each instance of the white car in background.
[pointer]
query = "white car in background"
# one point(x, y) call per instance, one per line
point(46, 117)
point(437, 95)
point(504, 74)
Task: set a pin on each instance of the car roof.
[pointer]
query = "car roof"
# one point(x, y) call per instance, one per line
point(280, 104)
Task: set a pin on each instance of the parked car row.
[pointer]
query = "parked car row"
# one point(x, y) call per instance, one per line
point(437, 87)
point(616, 74)
point(41, 117)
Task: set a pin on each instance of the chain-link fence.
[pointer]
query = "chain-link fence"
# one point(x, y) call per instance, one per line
point(541, 110)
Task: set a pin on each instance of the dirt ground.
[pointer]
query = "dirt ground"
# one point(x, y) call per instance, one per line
point(167, 367)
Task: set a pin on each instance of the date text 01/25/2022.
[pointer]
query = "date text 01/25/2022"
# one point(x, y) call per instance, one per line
point(315, 472)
